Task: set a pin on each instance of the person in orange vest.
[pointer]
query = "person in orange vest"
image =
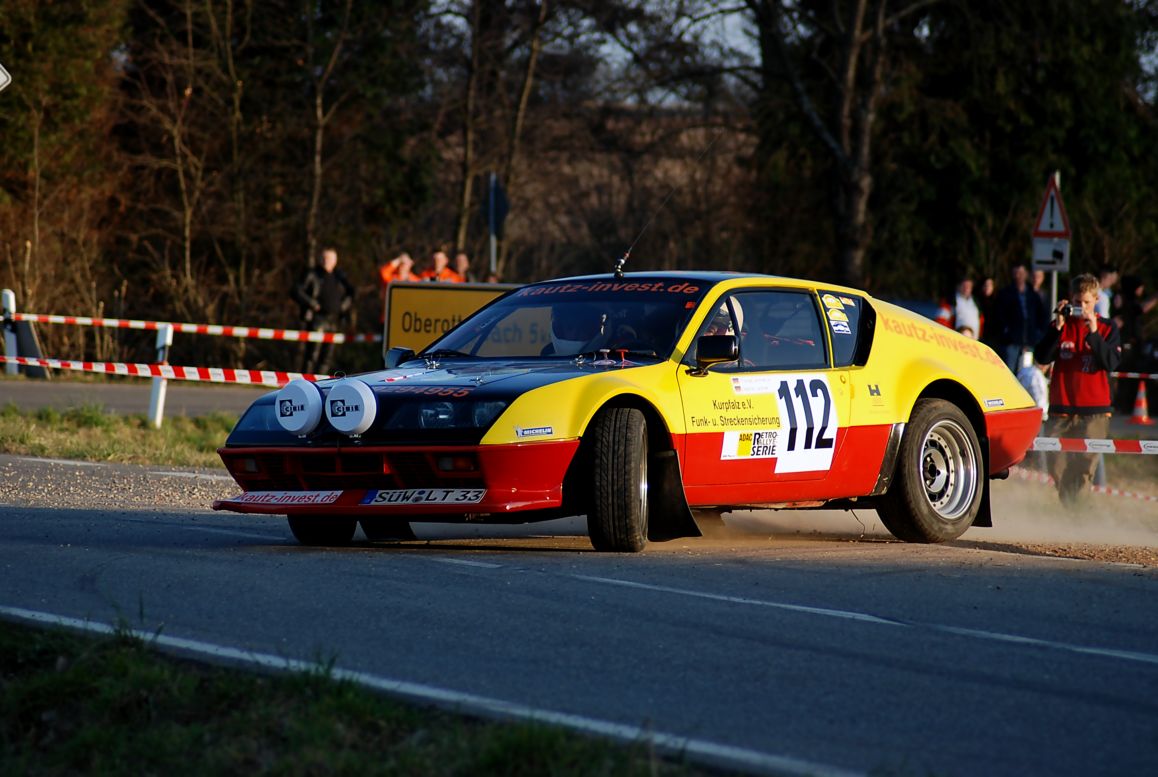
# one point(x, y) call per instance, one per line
point(440, 269)
point(400, 268)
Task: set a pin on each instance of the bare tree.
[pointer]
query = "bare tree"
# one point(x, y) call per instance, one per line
point(849, 46)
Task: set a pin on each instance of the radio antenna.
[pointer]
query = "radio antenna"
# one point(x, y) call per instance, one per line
point(618, 268)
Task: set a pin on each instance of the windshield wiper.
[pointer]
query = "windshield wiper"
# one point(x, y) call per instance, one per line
point(607, 356)
point(446, 353)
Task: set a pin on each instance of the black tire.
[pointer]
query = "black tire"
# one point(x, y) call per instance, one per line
point(314, 530)
point(617, 515)
point(386, 530)
point(940, 478)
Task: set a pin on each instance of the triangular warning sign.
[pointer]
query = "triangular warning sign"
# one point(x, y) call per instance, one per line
point(1052, 220)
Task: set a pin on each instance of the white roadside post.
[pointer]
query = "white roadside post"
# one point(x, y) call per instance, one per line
point(157, 396)
point(7, 311)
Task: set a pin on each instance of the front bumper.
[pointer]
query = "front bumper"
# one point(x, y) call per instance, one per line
point(412, 481)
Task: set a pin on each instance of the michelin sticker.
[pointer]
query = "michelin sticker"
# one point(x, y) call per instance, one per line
point(534, 431)
point(808, 419)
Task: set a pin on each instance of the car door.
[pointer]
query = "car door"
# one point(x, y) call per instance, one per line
point(776, 416)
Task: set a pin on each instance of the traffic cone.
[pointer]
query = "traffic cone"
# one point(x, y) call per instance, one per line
point(1141, 411)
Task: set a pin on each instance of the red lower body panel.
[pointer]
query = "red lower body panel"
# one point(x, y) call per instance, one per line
point(415, 481)
point(1011, 432)
point(711, 480)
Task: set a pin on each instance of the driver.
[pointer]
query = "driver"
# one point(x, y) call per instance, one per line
point(722, 323)
point(573, 328)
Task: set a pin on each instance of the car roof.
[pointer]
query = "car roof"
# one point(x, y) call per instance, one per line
point(709, 277)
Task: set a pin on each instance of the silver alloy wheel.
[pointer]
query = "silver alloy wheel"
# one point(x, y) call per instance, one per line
point(641, 489)
point(948, 469)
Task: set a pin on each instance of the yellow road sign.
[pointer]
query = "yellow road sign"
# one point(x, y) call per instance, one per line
point(417, 313)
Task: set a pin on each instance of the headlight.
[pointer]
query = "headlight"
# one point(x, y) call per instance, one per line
point(441, 414)
point(485, 413)
point(436, 415)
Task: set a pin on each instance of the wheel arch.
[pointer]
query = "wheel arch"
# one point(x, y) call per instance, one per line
point(954, 392)
point(669, 514)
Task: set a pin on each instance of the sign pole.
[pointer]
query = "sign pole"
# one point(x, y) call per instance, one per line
point(491, 223)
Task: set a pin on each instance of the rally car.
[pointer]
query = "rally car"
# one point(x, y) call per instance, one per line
point(646, 402)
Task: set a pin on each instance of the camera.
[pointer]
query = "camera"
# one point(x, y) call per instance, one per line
point(1073, 311)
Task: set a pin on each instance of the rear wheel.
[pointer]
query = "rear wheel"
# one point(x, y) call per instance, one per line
point(386, 529)
point(314, 530)
point(617, 515)
point(936, 492)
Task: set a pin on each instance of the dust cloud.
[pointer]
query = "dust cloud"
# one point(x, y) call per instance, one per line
point(1024, 511)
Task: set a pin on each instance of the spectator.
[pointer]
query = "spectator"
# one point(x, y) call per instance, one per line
point(440, 269)
point(1130, 318)
point(965, 310)
point(400, 268)
point(985, 299)
point(462, 267)
point(1083, 348)
point(967, 331)
point(1039, 287)
point(326, 298)
point(1021, 318)
point(1107, 277)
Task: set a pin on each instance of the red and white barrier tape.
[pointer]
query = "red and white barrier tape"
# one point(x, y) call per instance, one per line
point(1078, 445)
point(260, 333)
point(1144, 375)
point(1040, 477)
point(204, 374)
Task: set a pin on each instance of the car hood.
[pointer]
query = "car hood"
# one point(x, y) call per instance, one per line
point(474, 392)
point(485, 378)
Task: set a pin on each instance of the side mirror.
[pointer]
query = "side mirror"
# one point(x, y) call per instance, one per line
point(397, 355)
point(716, 349)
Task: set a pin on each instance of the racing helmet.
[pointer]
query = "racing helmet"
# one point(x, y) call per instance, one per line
point(722, 322)
point(574, 326)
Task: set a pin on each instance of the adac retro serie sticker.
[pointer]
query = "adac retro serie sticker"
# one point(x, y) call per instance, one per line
point(750, 445)
point(831, 301)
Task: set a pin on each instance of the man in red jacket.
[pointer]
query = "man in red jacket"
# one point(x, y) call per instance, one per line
point(1084, 349)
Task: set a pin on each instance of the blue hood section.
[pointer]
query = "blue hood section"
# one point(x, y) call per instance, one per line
point(497, 379)
point(474, 392)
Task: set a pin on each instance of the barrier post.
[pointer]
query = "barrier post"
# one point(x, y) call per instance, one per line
point(157, 395)
point(7, 311)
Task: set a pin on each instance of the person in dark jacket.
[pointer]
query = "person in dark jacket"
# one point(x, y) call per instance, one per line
point(326, 298)
point(1084, 348)
point(1021, 319)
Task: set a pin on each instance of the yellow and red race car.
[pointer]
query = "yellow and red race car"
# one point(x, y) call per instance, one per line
point(642, 400)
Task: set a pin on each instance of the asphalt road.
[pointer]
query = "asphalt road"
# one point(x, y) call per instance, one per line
point(770, 648)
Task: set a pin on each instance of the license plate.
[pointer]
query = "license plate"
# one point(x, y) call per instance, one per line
point(425, 496)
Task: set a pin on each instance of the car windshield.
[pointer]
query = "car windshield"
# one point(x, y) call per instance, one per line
point(640, 316)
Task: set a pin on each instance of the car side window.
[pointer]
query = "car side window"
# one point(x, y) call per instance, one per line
point(782, 331)
point(843, 313)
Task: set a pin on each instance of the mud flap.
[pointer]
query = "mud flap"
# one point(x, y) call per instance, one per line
point(984, 517)
point(669, 517)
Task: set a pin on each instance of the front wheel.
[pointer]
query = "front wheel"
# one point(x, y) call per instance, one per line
point(939, 481)
point(314, 530)
point(617, 515)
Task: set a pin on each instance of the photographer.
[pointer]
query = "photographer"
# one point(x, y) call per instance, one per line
point(1083, 348)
